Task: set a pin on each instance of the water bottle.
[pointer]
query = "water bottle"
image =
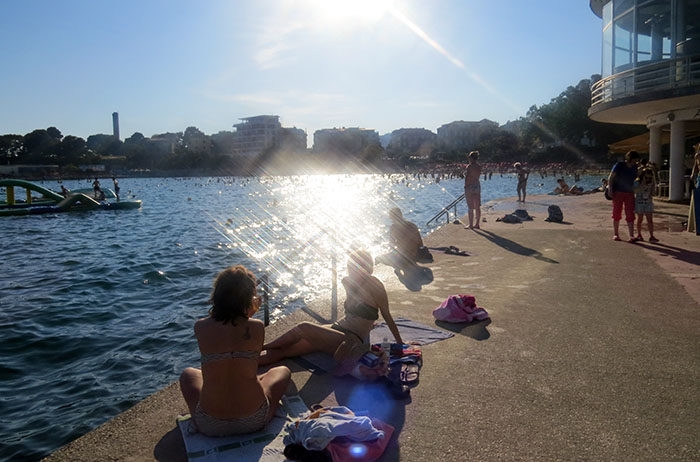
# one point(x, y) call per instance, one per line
point(386, 347)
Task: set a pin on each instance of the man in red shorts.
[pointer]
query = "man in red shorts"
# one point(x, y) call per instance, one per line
point(621, 187)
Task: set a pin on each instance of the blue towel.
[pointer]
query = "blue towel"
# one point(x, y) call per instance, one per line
point(411, 331)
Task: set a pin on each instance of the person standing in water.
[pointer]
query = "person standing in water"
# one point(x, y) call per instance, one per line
point(523, 175)
point(96, 188)
point(472, 189)
point(116, 188)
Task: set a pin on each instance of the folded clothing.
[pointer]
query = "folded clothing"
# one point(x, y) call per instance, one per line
point(459, 308)
point(317, 429)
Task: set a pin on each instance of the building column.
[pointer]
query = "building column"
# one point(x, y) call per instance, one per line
point(676, 166)
point(655, 145)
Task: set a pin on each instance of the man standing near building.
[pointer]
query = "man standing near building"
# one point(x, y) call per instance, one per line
point(621, 187)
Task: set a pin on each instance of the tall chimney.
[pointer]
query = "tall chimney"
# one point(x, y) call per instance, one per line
point(115, 124)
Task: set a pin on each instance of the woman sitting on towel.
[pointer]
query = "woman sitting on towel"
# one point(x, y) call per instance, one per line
point(346, 339)
point(227, 396)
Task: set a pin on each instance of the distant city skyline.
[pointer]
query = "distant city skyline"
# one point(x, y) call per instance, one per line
point(384, 65)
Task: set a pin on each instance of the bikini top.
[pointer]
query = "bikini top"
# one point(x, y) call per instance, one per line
point(245, 354)
point(362, 310)
point(359, 308)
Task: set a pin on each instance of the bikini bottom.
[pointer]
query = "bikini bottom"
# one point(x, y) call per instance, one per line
point(211, 426)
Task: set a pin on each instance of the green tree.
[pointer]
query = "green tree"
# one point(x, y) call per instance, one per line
point(72, 150)
point(12, 148)
point(38, 145)
point(54, 133)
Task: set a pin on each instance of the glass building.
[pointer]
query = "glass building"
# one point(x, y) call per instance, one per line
point(651, 75)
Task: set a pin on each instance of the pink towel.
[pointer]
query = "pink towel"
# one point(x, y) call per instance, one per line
point(459, 308)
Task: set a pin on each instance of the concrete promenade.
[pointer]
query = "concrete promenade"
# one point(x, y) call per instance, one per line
point(592, 351)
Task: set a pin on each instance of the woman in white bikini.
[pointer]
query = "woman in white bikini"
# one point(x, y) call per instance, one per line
point(227, 396)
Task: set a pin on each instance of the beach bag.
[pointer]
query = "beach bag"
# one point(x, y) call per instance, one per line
point(555, 214)
point(510, 218)
point(522, 214)
point(606, 193)
point(459, 308)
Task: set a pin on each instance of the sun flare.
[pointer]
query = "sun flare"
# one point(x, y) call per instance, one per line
point(358, 10)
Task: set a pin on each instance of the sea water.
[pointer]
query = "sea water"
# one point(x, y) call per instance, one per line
point(97, 308)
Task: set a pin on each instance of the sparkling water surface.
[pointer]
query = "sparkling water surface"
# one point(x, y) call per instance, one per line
point(97, 308)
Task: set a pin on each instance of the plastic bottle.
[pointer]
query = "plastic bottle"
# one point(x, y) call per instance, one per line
point(386, 347)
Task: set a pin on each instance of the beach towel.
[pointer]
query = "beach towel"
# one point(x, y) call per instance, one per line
point(459, 308)
point(265, 445)
point(411, 331)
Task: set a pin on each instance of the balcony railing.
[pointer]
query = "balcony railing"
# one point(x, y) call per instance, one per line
point(664, 75)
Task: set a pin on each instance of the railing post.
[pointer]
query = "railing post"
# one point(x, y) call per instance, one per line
point(266, 299)
point(334, 289)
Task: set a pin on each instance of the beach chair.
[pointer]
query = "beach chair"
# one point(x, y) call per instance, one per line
point(662, 185)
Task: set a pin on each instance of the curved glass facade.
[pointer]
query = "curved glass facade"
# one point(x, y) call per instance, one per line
point(641, 32)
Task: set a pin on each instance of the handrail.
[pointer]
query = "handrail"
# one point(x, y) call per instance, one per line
point(664, 75)
point(266, 299)
point(446, 210)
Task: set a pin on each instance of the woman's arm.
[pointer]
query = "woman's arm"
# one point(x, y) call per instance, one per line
point(382, 300)
point(611, 178)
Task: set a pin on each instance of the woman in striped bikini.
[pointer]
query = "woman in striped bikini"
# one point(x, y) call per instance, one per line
point(227, 396)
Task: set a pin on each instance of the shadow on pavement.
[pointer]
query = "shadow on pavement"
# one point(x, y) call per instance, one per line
point(171, 447)
point(410, 274)
point(688, 256)
point(513, 246)
point(476, 330)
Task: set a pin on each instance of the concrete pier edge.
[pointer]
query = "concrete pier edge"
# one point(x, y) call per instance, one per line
point(591, 351)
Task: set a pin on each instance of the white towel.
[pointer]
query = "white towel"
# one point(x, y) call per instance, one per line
point(265, 445)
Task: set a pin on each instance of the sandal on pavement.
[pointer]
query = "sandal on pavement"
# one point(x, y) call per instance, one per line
point(616, 238)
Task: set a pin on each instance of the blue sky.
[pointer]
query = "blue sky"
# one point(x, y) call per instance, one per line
point(165, 65)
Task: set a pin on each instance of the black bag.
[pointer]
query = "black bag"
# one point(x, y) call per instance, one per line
point(555, 214)
point(606, 193)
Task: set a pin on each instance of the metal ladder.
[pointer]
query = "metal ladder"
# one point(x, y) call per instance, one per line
point(446, 210)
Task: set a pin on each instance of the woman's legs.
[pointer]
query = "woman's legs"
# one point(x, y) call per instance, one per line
point(274, 383)
point(474, 204)
point(640, 218)
point(191, 387)
point(302, 339)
